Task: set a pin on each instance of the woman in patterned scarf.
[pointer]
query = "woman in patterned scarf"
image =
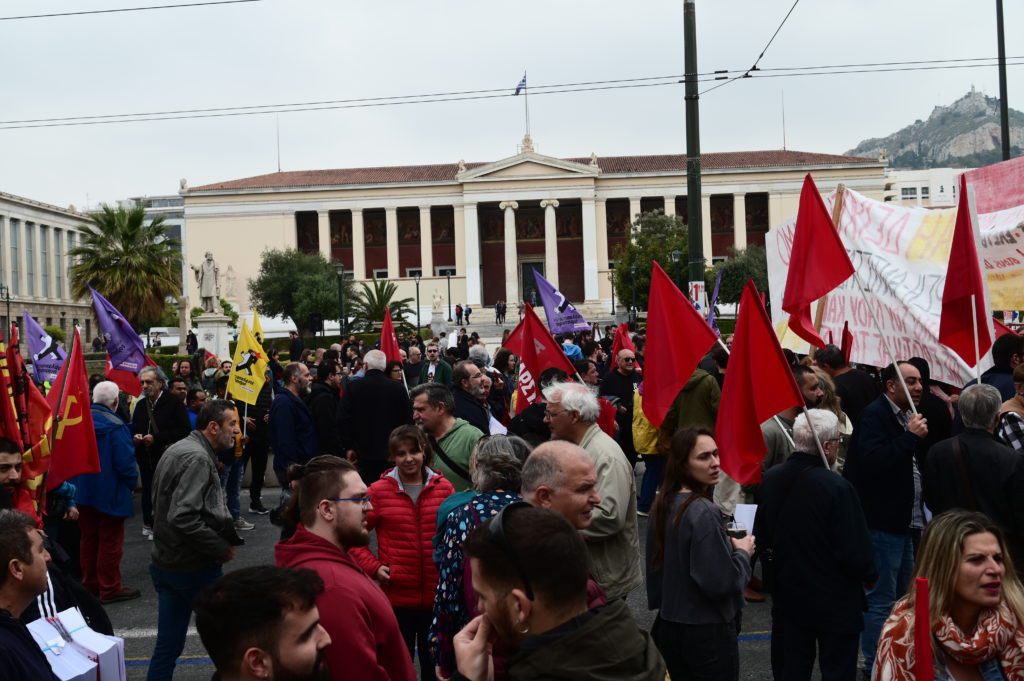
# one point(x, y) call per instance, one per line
point(976, 606)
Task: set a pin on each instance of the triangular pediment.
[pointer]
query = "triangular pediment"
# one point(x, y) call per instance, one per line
point(529, 165)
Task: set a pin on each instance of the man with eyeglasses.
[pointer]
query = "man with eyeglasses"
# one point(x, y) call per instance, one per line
point(435, 369)
point(622, 384)
point(333, 505)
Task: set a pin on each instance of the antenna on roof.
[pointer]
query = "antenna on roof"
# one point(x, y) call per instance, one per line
point(277, 120)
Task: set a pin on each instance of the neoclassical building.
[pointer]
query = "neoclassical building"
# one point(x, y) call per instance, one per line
point(483, 227)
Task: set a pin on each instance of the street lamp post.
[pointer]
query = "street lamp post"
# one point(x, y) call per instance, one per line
point(339, 268)
point(611, 278)
point(449, 275)
point(417, 305)
point(632, 308)
point(676, 257)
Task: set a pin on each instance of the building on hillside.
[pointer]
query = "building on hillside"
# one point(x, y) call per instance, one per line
point(483, 227)
point(34, 241)
point(931, 188)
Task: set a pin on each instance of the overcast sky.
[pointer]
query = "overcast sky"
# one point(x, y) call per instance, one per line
point(286, 51)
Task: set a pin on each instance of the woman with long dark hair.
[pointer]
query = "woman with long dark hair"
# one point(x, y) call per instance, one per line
point(695, 572)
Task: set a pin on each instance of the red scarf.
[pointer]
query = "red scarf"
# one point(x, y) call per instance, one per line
point(997, 635)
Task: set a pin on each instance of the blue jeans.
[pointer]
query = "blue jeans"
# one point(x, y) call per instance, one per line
point(175, 593)
point(654, 471)
point(894, 560)
point(231, 483)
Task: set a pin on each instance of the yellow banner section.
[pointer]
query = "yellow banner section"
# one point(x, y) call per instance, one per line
point(249, 368)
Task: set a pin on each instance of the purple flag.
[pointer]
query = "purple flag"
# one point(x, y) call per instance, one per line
point(562, 316)
point(47, 357)
point(714, 301)
point(123, 345)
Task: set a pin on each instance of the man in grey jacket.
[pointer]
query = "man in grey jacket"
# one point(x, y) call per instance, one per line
point(612, 539)
point(193, 533)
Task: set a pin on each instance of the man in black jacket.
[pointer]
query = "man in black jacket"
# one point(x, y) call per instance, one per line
point(468, 391)
point(158, 421)
point(323, 401)
point(973, 471)
point(370, 409)
point(811, 522)
point(883, 463)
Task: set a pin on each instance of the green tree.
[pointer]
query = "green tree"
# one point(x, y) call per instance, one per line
point(133, 265)
point(657, 236)
point(741, 266)
point(55, 332)
point(367, 309)
point(296, 285)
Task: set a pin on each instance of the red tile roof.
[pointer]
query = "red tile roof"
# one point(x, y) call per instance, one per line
point(610, 165)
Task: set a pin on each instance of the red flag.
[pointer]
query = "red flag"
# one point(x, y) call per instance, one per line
point(760, 385)
point(621, 341)
point(8, 415)
point(677, 338)
point(74, 442)
point(847, 342)
point(830, 339)
point(1003, 329)
point(35, 419)
point(126, 380)
point(388, 342)
point(817, 264)
point(924, 665)
point(537, 351)
point(964, 282)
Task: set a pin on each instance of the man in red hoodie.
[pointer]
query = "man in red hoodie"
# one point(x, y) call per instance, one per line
point(333, 505)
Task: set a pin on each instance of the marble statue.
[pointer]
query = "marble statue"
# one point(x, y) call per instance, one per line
point(208, 277)
point(438, 302)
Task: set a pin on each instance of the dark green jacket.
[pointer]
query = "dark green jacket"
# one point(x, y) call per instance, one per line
point(442, 375)
point(696, 405)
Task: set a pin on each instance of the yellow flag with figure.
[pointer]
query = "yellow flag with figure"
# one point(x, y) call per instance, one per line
point(257, 328)
point(249, 368)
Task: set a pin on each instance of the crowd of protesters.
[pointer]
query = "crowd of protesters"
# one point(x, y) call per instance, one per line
point(507, 540)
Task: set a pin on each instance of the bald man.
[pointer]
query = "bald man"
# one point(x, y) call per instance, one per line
point(561, 476)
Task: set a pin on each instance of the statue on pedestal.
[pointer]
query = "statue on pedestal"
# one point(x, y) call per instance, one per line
point(438, 303)
point(208, 277)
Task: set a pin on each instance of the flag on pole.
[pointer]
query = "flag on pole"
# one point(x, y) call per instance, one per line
point(537, 351)
point(964, 282)
point(677, 339)
point(1003, 329)
point(249, 368)
point(711, 306)
point(74, 437)
point(126, 380)
point(388, 341)
point(622, 341)
point(47, 356)
point(847, 342)
point(522, 85)
point(562, 316)
point(760, 385)
point(124, 346)
point(35, 419)
point(257, 328)
point(817, 264)
point(23, 499)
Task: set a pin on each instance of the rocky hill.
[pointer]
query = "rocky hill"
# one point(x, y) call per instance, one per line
point(963, 134)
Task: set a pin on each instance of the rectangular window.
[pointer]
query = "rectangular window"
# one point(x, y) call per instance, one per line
point(30, 256)
point(909, 192)
point(88, 330)
point(925, 192)
point(49, 321)
point(15, 257)
point(413, 272)
point(58, 261)
point(444, 271)
point(380, 273)
point(44, 260)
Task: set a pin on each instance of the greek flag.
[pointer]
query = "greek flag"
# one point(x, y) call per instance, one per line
point(521, 86)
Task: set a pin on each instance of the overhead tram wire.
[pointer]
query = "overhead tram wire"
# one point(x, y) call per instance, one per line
point(443, 97)
point(126, 9)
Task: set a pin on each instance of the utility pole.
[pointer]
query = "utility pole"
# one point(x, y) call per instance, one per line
point(1004, 105)
point(693, 198)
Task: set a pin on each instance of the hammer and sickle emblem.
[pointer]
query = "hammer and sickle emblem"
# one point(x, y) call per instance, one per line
point(65, 418)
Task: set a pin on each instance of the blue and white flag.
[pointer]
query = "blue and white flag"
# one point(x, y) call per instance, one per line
point(47, 356)
point(521, 86)
point(562, 316)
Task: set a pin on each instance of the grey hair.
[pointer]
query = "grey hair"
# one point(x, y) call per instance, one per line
point(574, 397)
point(478, 355)
point(106, 393)
point(157, 371)
point(375, 359)
point(979, 406)
point(545, 465)
point(825, 424)
point(499, 463)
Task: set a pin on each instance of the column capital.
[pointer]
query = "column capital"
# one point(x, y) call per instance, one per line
point(505, 205)
point(553, 203)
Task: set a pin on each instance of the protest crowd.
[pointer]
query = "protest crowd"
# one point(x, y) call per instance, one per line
point(450, 510)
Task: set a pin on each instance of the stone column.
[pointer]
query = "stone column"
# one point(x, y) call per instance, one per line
point(550, 241)
point(358, 245)
point(670, 206)
point(775, 213)
point(4, 258)
point(739, 221)
point(426, 243)
point(471, 242)
point(323, 225)
point(601, 230)
point(511, 255)
point(391, 230)
point(634, 210)
point(589, 250)
point(46, 240)
point(705, 220)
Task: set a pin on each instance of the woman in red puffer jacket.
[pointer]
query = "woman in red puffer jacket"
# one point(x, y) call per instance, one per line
point(404, 514)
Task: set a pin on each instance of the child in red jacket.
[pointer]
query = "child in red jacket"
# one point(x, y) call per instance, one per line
point(404, 514)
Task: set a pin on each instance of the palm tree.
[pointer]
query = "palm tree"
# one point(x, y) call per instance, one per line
point(135, 265)
point(368, 307)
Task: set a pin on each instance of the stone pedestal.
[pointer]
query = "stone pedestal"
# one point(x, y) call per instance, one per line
point(214, 334)
point(438, 324)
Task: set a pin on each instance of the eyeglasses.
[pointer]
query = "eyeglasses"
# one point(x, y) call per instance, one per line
point(362, 501)
point(553, 414)
point(497, 532)
point(629, 360)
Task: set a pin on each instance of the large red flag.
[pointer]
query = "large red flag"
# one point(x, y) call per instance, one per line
point(964, 282)
point(126, 380)
point(537, 351)
point(74, 441)
point(388, 342)
point(817, 264)
point(35, 419)
point(621, 341)
point(677, 338)
point(760, 384)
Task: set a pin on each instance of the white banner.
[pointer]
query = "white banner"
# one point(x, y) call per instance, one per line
point(901, 255)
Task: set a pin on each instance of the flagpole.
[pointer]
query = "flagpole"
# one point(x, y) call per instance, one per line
point(817, 440)
point(974, 321)
point(775, 418)
point(245, 420)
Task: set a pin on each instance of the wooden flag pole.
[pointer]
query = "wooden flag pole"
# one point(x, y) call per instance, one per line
point(837, 211)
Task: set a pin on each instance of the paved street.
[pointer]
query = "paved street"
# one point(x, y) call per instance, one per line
point(136, 620)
